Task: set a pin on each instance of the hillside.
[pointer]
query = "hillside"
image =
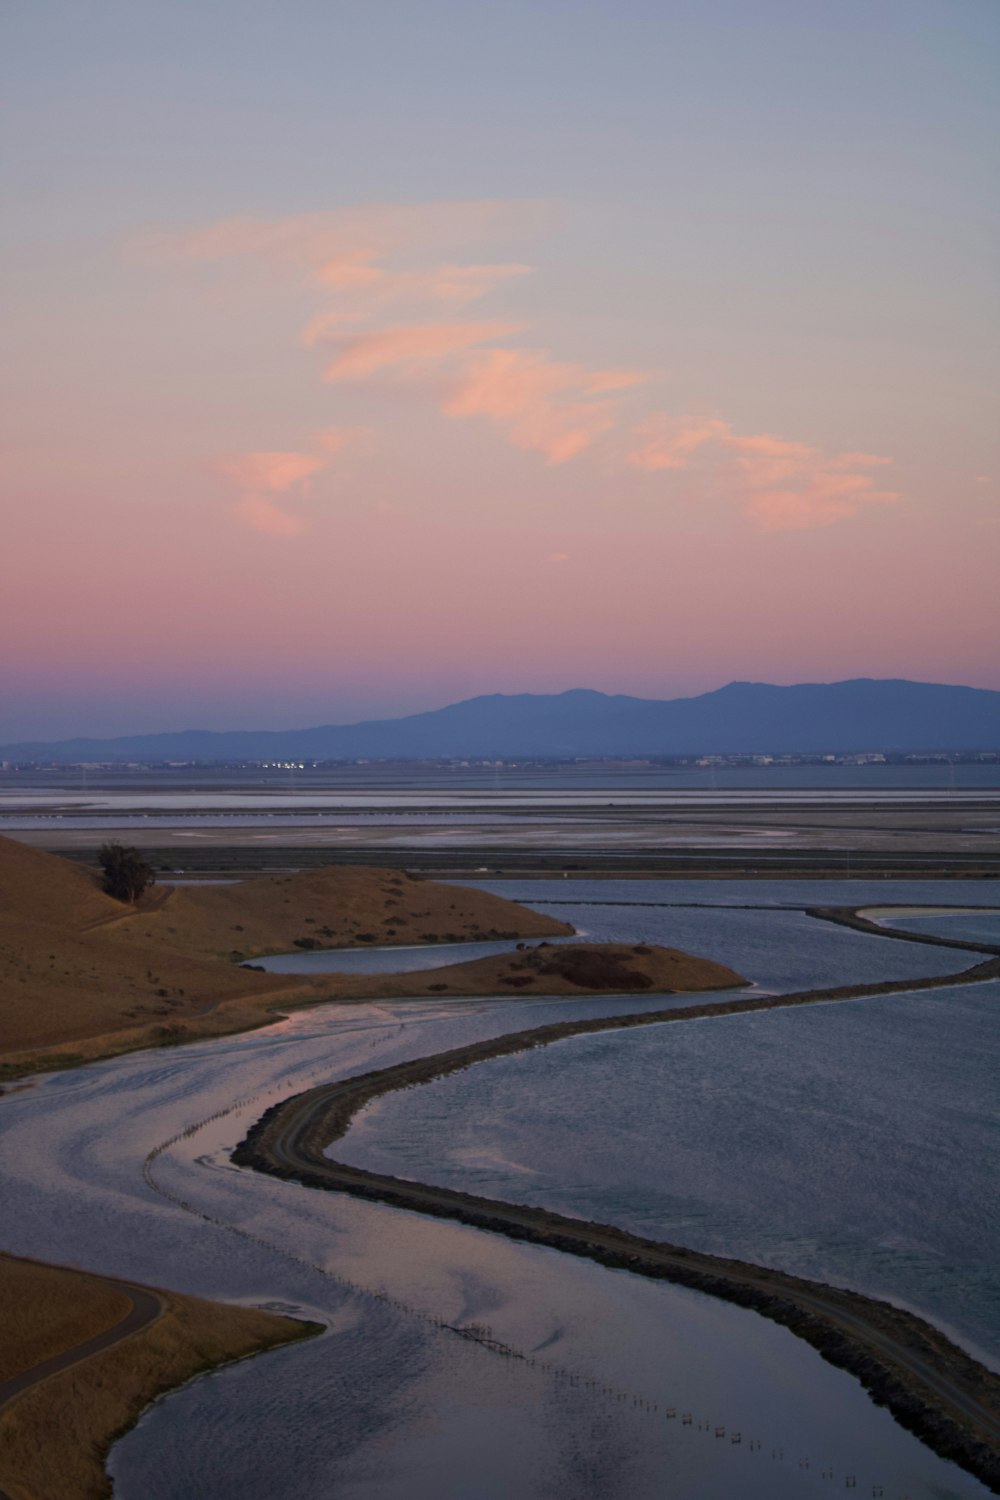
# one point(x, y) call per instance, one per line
point(741, 718)
point(83, 976)
point(77, 967)
point(39, 887)
point(332, 907)
point(63, 977)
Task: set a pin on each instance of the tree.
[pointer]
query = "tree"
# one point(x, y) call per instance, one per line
point(126, 873)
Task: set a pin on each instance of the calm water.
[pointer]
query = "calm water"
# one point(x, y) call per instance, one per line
point(384, 960)
point(209, 781)
point(389, 1405)
point(754, 926)
point(852, 1142)
point(974, 927)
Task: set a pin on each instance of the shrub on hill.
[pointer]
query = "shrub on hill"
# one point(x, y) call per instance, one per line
point(126, 873)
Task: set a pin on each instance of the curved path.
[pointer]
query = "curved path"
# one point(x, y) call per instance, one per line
point(931, 1386)
point(145, 1307)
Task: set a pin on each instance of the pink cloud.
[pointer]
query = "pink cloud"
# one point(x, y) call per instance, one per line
point(337, 248)
point(339, 439)
point(373, 286)
point(668, 442)
point(461, 284)
point(817, 499)
point(542, 404)
point(274, 472)
point(261, 514)
point(410, 348)
point(261, 475)
point(553, 407)
point(792, 486)
point(537, 399)
point(780, 483)
point(352, 272)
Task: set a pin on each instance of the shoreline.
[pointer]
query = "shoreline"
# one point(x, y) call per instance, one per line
point(115, 1347)
point(292, 992)
point(931, 1386)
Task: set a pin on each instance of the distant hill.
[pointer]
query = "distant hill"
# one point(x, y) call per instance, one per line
point(742, 718)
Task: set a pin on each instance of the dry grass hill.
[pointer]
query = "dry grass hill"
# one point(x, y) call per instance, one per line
point(80, 970)
point(63, 980)
point(333, 907)
point(53, 1437)
point(84, 976)
point(547, 969)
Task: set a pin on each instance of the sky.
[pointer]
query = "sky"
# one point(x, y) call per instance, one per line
point(366, 355)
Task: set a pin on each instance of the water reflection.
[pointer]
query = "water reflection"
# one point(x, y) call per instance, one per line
point(406, 1397)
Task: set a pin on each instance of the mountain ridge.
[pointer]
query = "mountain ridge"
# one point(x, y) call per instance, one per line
point(856, 715)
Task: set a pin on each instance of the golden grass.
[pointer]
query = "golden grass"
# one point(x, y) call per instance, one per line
point(43, 1312)
point(54, 1437)
point(43, 888)
point(332, 907)
point(77, 967)
point(85, 977)
point(63, 987)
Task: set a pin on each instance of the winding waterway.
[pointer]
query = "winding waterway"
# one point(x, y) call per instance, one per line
point(420, 1388)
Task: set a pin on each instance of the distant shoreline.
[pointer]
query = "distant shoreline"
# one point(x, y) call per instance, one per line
point(235, 859)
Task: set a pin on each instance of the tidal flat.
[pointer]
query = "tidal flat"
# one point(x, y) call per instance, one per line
point(419, 1388)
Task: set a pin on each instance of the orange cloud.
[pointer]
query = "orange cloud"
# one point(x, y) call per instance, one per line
point(781, 484)
point(373, 287)
point(668, 442)
point(542, 404)
point(409, 348)
point(275, 472)
point(352, 272)
point(461, 284)
point(816, 499)
point(792, 486)
point(337, 248)
point(261, 475)
point(536, 399)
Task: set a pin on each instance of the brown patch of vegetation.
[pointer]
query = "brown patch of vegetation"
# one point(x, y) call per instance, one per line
point(54, 1437)
point(549, 969)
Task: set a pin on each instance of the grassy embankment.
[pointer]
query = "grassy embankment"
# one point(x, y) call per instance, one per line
point(54, 1436)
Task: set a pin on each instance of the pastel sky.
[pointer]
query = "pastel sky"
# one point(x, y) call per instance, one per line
point(364, 355)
